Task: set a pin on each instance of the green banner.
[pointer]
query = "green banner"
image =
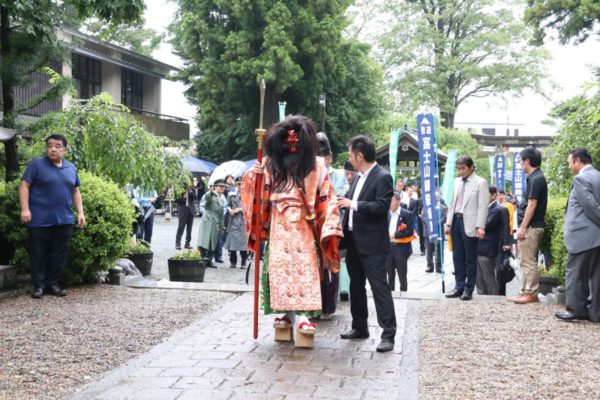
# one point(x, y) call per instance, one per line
point(282, 105)
point(449, 174)
point(394, 135)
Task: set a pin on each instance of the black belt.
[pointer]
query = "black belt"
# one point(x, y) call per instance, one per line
point(458, 215)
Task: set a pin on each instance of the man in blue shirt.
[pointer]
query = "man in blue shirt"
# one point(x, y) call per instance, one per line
point(49, 189)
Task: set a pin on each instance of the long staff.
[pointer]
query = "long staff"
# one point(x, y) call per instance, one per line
point(260, 133)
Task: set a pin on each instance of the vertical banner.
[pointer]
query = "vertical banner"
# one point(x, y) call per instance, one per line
point(427, 166)
point(492, 175)
point(282, 105)
point(499, 170)
point(449, 176)
point(519, 181)
point(393, 149)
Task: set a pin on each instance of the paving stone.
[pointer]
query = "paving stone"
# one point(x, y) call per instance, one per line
point(246, 385)
point(119, 392)
point(288, 389)
point(228, 373)
point(185, 371)
point(256, 396)
point(336, 393)
point(344, 372)
point(172, 362)
point(198, 394)
point(147, 372)
point(217, 363)
point(154, 394)
point(155, 382)
point(197, 383)
point(302, 368)
point(210, 355)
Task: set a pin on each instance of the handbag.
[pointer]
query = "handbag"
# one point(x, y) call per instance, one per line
point(507, 270)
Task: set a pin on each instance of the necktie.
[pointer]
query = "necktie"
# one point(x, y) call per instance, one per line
point(461, 195)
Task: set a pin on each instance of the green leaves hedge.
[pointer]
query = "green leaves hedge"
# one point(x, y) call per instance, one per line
point(553, 240)
point(94, 248)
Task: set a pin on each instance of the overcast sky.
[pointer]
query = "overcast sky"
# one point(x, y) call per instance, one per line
point(569, 69)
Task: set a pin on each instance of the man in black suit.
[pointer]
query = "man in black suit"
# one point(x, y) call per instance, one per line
point(487, 248)
point(401, 229)
point(366, 232)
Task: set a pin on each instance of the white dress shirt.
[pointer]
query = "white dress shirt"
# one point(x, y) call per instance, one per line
point(393, 222)
point(362, 177)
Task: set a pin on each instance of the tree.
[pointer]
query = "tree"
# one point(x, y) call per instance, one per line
point(133, 37)
point(106, 140)
point(438, 53)
point(574, 19)
point(28, 41)
point(580, 128)
point(296, 46)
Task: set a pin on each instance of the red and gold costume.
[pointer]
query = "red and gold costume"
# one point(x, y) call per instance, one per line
point(291, 277)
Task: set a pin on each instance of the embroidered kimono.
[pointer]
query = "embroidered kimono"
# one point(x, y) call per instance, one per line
point(291, 279)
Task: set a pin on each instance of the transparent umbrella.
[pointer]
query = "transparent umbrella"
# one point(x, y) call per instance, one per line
point(235, 168)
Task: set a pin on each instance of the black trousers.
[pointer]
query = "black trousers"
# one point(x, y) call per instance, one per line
point(421, 235)
point(396, 261)
point(233, 257)
point(48, 249)
point(186, 220)
point(433, 247)
point(372, 267)
point(583, 282)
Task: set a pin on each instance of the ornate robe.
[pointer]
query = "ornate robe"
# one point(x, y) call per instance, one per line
point(293, 264)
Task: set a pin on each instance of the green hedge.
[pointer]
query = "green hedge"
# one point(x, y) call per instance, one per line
point(553, 240)
point(92, 249)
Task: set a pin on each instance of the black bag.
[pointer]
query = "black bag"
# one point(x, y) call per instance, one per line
point(507, 271)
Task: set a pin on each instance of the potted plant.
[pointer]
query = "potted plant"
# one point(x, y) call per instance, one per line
point(187, 266)
point(140, 254)
point(549, 279)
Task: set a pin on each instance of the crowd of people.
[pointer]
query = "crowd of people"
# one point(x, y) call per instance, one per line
point(311, 213)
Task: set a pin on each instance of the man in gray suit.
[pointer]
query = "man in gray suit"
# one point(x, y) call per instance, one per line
point(467, 216)
point(582, 239)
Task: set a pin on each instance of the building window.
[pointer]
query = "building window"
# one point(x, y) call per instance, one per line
point(489, 131)
point(132, 89)
point(87, 76)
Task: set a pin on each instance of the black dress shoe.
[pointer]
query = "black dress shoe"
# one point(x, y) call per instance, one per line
point(385, 345)
point(37, 293)
point(439, 271)
point(467, 296)
point(177, 247)
point(454, 293)
point(56, 291)
point(568, 316)
point(354, 334)
point(429, 270)
point(187, 246)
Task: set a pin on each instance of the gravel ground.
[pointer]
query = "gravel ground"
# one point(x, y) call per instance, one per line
point(50, 348)
point(499, 350)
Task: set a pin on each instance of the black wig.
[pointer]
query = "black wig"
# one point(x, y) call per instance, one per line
point(288, 168)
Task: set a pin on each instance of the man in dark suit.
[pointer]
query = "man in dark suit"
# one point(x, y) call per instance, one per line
point(366, 231)
point(487, 248)
point(582, 239)
point(401, 229)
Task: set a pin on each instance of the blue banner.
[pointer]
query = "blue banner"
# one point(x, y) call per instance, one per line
point(499, 169)
point(427, 166)
point(519, 180)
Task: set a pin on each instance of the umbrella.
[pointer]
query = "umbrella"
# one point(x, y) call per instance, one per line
point(193, 164)
point(250, 163)
point(235, 168)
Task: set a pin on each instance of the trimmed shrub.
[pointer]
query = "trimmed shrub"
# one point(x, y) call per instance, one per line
point(553, 240)
point(92, 249)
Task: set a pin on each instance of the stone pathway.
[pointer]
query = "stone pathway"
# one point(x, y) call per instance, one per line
point(217, 358)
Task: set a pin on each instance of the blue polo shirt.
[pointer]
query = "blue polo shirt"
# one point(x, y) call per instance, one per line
point(50, 192)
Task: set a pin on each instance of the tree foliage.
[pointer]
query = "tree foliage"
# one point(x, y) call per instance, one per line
point(439, 53)
point(133, 37)
point(295, 46)
point(574, 19)
point(465, 145)
point(28, 41)
point(580, 128)
point(105, 139)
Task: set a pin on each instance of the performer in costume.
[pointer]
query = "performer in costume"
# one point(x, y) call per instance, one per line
point(298, 203)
